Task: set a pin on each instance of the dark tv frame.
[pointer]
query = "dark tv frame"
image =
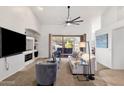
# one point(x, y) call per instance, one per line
point(1, 43)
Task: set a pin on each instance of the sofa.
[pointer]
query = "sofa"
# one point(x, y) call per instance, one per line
point(77, 67)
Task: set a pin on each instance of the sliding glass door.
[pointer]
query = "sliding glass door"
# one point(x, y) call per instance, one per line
point(70, 44)
point(64, 43)
point(56, 43)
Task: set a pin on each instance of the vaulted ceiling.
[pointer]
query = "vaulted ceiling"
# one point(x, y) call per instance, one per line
point(57, 15)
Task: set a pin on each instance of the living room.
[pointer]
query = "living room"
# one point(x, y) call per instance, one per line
point(41, 21)
point(34, 21)
point(14, 15)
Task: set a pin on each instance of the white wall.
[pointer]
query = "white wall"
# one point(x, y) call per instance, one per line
point(96, 25)
point(109, 17)
point(112, 18)
point(103, 55)
point(14, 64)
point(118, 48)
point(16, 19)
point(61, 30)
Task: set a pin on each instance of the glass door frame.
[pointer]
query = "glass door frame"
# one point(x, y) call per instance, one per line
point(50, 39)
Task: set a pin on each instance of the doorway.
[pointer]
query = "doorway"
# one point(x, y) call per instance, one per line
point(66, 44)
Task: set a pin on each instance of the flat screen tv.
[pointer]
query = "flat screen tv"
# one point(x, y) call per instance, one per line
point(11, 42)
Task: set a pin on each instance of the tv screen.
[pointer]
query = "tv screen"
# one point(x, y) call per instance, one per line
point(12, 42)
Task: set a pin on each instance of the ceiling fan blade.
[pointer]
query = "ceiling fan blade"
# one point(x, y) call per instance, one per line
point(68, 22)
point(79, 21)
point(75, 23)
point(75, 19)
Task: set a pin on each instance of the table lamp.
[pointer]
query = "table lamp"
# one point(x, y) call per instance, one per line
point(82, 45)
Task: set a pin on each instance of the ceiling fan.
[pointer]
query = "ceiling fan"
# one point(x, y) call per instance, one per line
point(74, 21)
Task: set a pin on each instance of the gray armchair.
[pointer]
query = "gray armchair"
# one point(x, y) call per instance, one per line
point(46, 73)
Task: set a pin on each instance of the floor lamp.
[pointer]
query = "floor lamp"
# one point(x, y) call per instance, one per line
point(87, 45)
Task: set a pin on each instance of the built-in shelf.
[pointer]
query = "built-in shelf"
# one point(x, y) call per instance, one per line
point(29, 38)
point(27, 52)
point(29, 43)
point(32, 38)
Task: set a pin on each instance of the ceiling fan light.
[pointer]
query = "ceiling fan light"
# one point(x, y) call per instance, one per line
point(68, 24)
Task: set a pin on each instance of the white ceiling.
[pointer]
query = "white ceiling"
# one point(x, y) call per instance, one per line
point(56, 15)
